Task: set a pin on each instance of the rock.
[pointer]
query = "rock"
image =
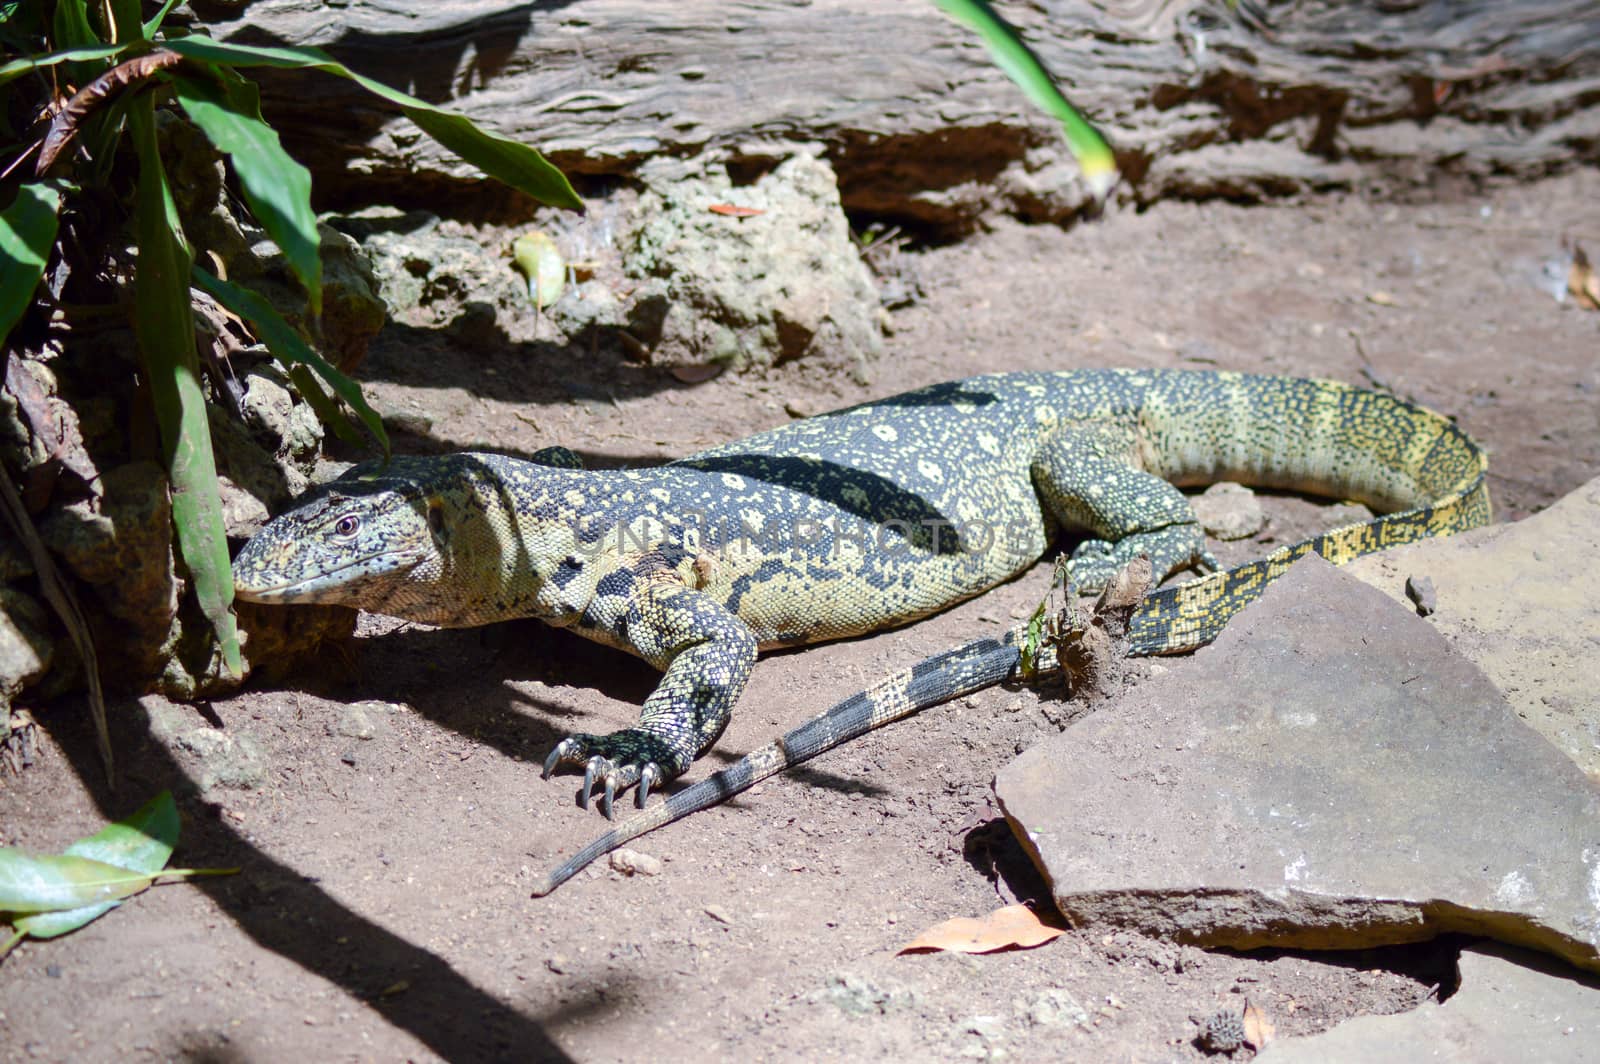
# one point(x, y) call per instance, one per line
point(1512, 1005)
point(749, 291)
point(1052, 1007)
point(1519, 600)
point(352, 310)
point(429, 277)
point(1229, 511)
point(287, 428)
point(858, 996)
point(220, 758)
point(1328, 774)
point(634, 863)
point(119, 542)
point(25, 645)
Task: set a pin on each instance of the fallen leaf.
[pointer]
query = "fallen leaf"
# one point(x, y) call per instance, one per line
point(733, 210)
point(1382, 299)
point(1258, 1030)
point(42, 883)
point(1014, 926)
point(1582, 281)
point(537, 256)
point(46, 896)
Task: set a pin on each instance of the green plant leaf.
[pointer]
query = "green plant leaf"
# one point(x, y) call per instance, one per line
point(1014, 57)
point(18, 67)
point(27, 232)
point(158, 18)
point(277, 188)
point(126, 25)
point(287, 347)
point(142, 842)
point(505, 160)
point(164, 324)
point(42, 883)
point(70, 25)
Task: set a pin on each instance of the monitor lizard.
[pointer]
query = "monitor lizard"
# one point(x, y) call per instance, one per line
point(854, 521)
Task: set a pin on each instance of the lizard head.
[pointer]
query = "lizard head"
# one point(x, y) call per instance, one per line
point(356, 541)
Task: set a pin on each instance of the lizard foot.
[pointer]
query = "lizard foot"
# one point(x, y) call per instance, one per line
point(616, 762)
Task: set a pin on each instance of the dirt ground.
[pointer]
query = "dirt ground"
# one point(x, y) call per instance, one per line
point(383, 912)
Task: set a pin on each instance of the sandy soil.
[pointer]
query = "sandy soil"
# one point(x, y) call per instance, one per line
point(383, 909)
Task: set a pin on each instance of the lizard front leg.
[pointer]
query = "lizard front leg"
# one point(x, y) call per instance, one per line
point(706, 653)
point(1087, 476)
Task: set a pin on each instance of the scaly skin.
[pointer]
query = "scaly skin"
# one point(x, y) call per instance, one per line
point(855, 521)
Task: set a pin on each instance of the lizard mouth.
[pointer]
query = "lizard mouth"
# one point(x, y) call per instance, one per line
point(341, 584)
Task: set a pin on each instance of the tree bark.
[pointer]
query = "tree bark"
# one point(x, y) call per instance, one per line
point(1198, 99)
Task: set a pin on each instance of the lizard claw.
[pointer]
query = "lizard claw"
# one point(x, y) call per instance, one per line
point(612, 778)
point(564, 750)
point(613, 763)
point(649, 776)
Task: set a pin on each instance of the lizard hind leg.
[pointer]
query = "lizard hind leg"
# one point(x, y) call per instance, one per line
point(1087, 476)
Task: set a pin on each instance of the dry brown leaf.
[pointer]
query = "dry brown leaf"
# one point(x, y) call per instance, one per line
point(1582, 281)
point(734, 210)
point(1258, 1030)
point(1012, 926)
point(64, 126)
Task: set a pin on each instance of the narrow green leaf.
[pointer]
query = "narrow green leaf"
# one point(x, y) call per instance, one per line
point(287, 346)
point(70, 25)
point(277, 188)
point(126, 24)
point(1014, 57)
point(142, 842)
point(27, 232)
point(505, 160)
point(164, 325)
point(42, 883)
point(158, 18)
point(18, 67)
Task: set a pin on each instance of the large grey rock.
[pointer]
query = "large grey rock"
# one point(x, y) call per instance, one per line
point(1328, 774)
point(1512, 1005)
point(1522, 601)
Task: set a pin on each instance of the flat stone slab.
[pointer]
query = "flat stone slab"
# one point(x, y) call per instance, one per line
point(1512, 1005)
point(1328, 774)
point(1523, 602)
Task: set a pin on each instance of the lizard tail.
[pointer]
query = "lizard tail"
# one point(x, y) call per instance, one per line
point(970, 667)
point(1403, 452)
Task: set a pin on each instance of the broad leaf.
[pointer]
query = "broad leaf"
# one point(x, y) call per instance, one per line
point(142, 842)
point(27, 232)
point(287, 347)
point(164, 325)
point(505, 160)
point(277, 188)
point(41, 883)
point(1014, 57)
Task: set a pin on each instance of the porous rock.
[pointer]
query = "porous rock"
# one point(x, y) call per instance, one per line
point(749, 289)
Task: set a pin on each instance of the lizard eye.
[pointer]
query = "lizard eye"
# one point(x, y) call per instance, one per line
point(347, 525)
